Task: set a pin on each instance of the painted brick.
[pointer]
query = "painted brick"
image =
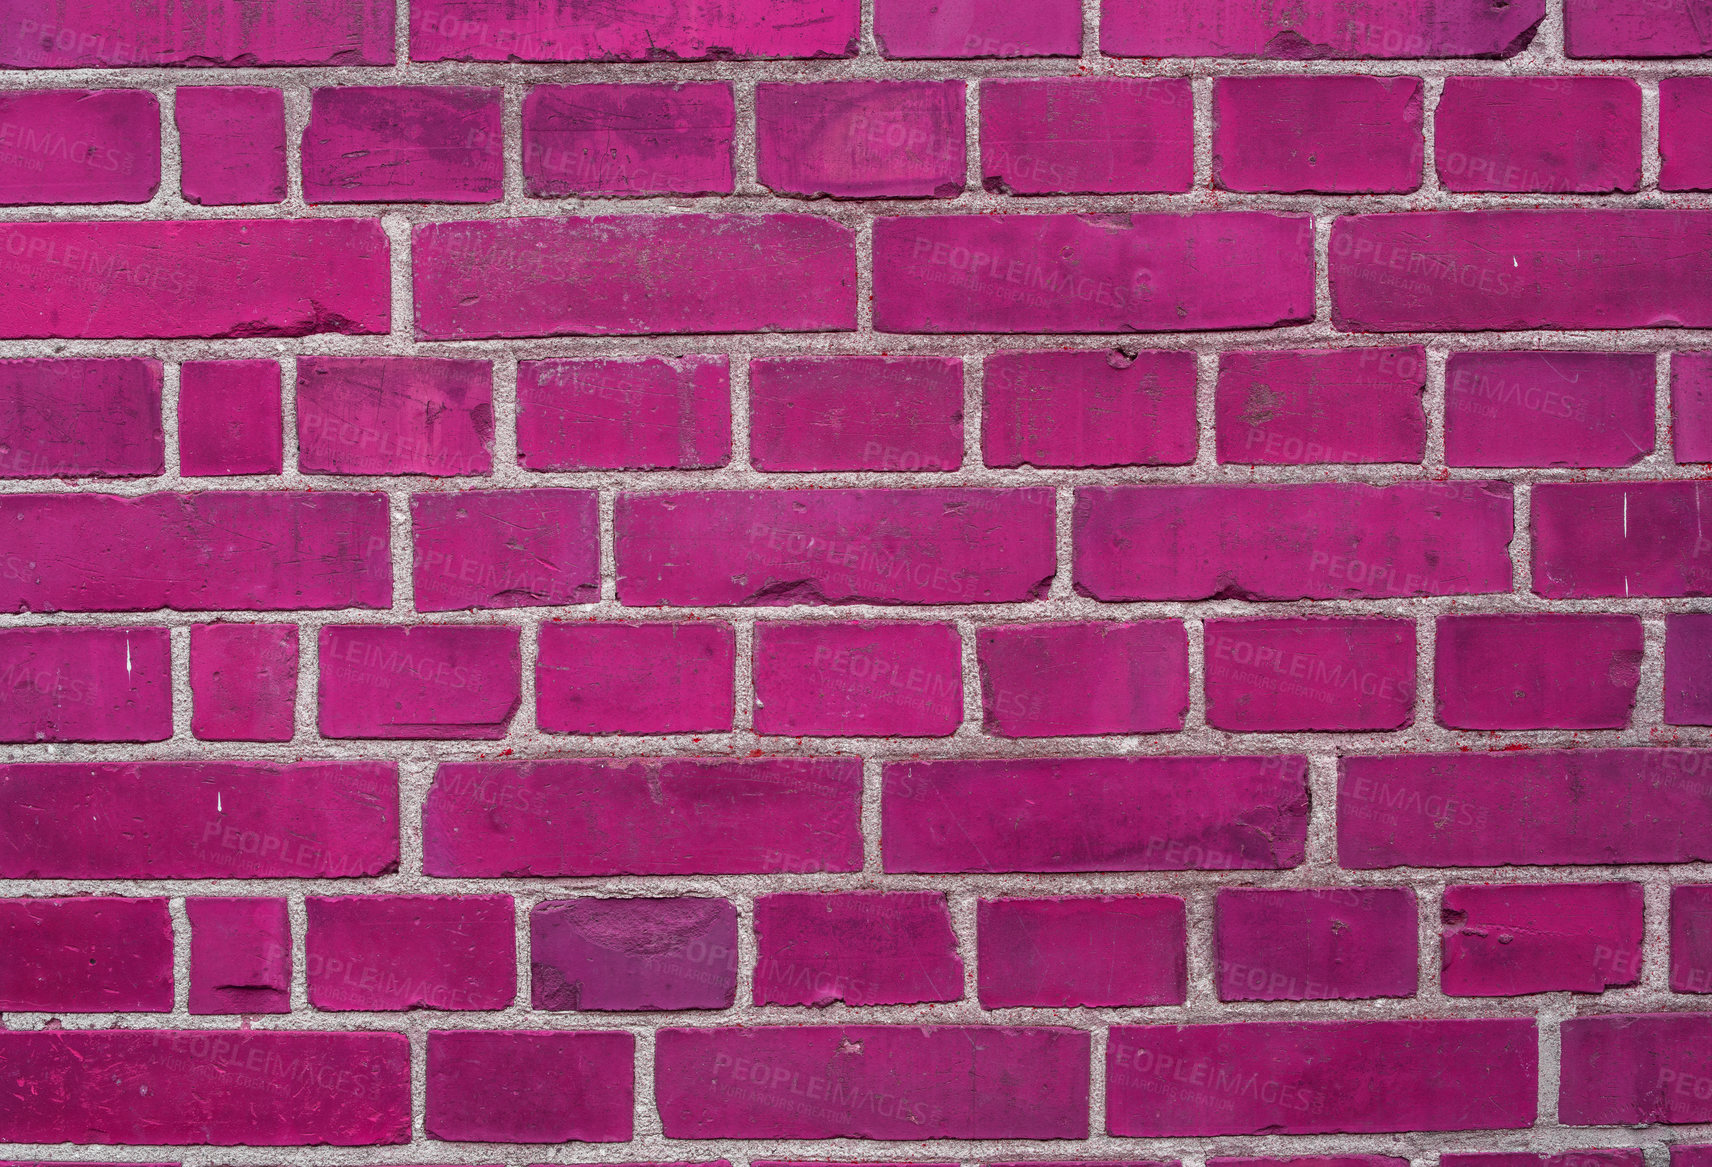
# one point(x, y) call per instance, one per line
point(657, 413)
point(1685, 133)
point(1504, 940)
point(856, 413)
point(1558, 135)
point(1626, 1157)
point(1112, 407)
point(590, 141)
point(230, 420)
point(1536, 672)
point(394, 415)
point(1619, 539)
point(978, 28)
point(1375, 29)
point(1087, 135)
point(81, 418)
point(505, 549)
point(862, 948)
point(380, 952)
point(1686, 1156)
point(1688, 668)
point(1691, 406)
point(87, 955)
point(240, 955)
point(1061, 680)
point(1321, 944)
point(1310, 1161)
point(636, 678)
point(1635, 1068)
point(1328, 134)
point(231, 143)
point(85, 685)
point(861, 139)
point(79, 146)
point(1309, 674)
point(412, 144)
point(530, 1086)
point(1548, 409)
point(858, 680)
point(1308, 406)
point(426, 681)
point(1086, 950)
point(95, 34)
point(1691, 939)
point(243, 682)
point(1635, 28)
point(598, 954)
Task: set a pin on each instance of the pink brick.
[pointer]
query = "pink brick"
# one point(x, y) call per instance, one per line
point(229, 418)
point(631, 274)
point(1328, 134)
point(240, 955)
point(623, 954)
point(1061, 680)
point(165, 1087)
point(978, 28)
point(1322, 1076)
point(1088, 950)
point(657, 413)
point(1688, 668)
point(1092, 273)
point(505, 549)
point(197, 820)
point(427, 681)
point(1539, 808)
point(243, 682)
point(858, 680)
point(79, 146)
point(1108, 407)
point(676, 816)
point(231, 143)
point(1095, 814)
point(85, 685)
point(961, 1082)
point(1321, 541)
point(829, 546)
point(69, 34)
point(1635, 1068)
point(1536, 672)
point(199, 278)
point(1626, 1157)
point(636, 678)
point(1620, 539)
point(628, 140)
point(1691, 406)
point(1504, 940)
point(1691, 939)
point(861, 139)
point(81, 418)
point(394, 415)
point(1685, 133)
point(530, 1086)
point(1375, 29)
point(380, 952)
point(1309, 1161)
point(1321, 944)
point(87, 955)
point(412, 144)
point(1685, 1156)
point(1548, 409)
point(856, 413)
point(1087, 135)
point(1308, 406)
point(1290, 675)
point(1635, 28)
point(1558, 135)
point(862, 948)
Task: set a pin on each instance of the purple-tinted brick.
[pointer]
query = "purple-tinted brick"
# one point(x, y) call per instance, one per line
point(858, 680)
point(69, 34)
point(1321, 944)
point(633, 954)
point(530, 1086)
point(1635, 1068)
point(862, 948)
point(1685, 1156)
point(427, 681)
point(856, 413)
point(1382, 29)
point(613, 141)
point(636, 678)
point(1691, 939)
point(1087, 950)
point(412, 144)
point(240, 955)
point(81, 418)
point(87, 955)
point(394, 415)
point(1309, 406)
point(658, 413)
point(1327, 134)
point(1309, 1161)
point(1625, 1157)
point(243, 682)
point(79, 146)
point(85, 685)
point(978, 28)
point(1087, 135)
point(505, 549)
point(861, 139)
point(674, 816)
point(385, 952)
point(1504, 940)
point(1635, 28)
point(1548, 409)
point(1060, 680)
point(1685, 133)
point(1324, 1076)
point(1558, 135)
point(1691, 406)
point(231, 143)
point(1536, 672)
point(1310, 674)
point(1688, 668)
point(1109, 407)
point(229, 418)
point(1620, 539)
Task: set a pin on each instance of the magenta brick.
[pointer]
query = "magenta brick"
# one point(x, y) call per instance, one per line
point(426, 681)
point(198, 278)
point(1092, 273)
point(1548, 409)
point(1320, 944)
point(1087, 135)
point(71, 34)
point(1620, 539)
point(1685, 133)
point(85, 685)
point(861, 139)
point(231, 142)
point(394, 415)
point(978, 28)
point(165, 1087)
point(530, 1086)
point(1688, 668)
point(1060, 680)
point(1086, 950)
point(660, 816)
point(1310, 674)
point(636, 678)
point(628, 140)
point(856, 413)
point(1376, 29)
point(81, 418)
point(1308, 1161)
point(197, 820)
point(776, 547)
point(1625, 1157)
point(1691, 939)
point(79, 146)
point(1504, 940)
point(229, 418)
point(1691, 406)
point(240, 955)
point(1538, 808)
point(960, 1082)
point(630, 954)
point(86, 955)
point(385, 952)
point(657, 413)
point(1558, 135)
point(1110, 407)
point(1295, 407)
point(410, 144)
point(1095, 814)
point(243, 682)
point(862, 948)
point(1328, 134)
point(1321, 1076)
point(1686, 1156)
point(1536, 672)
point(876, 679)
point(631, 274)
point(505, 549)
point(1635, 28)
point(1319, 541)
point(1635, 1068)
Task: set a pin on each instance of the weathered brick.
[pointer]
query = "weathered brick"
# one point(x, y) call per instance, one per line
point(1691, 939)
point(636, 678)
point(230, 420)
point(1635, 28)
point(1685, 133)
point(1327, 134)
point(81, 418)
point(1504, 940)
point(79, 146)
point(861, 139)
point(1688, 668)
point(610, 141)
point(1060, 680)
point(243, 682)
point(381, 952)
point(1626, 1157)
point(505, 549)
point(98, 954)
point(1298, 674)
point(1548, 409)
point(231, 144)
point(862, 948)
point(72, 34)
point(1295, 407)
point(1319, 944)
point(403, 144)
point(856, 413)
point(1087, 135)
point(530, 1086)
point(875, 679)
point(394, 415)
point(1558, 135)
point(1376, 29)
point(1536, 672)
point(1691, 406)
point(1086, 950)
point(425, 681)
point(978, 28)
point(85, 685)
point(1636, 1068)
point(240, 955)
point(657, 413)
point(631, 954)
point(1309, 1161)
point(1619, 539)
point(1109, 407)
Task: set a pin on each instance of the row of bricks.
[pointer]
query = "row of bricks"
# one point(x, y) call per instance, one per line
point(1681, 1155)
